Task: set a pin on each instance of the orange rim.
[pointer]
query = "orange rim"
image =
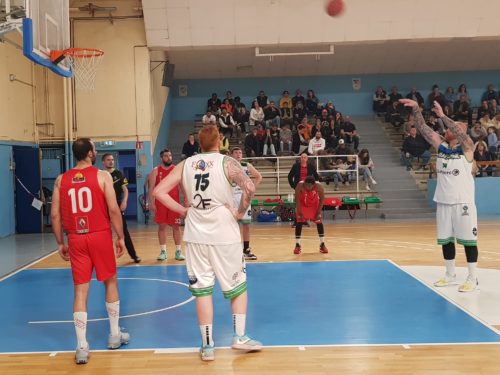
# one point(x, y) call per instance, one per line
point(82, 53)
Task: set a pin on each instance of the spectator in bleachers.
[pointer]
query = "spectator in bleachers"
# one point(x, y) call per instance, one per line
point(268, 144)
point(209, 119)
point(326, 165)
point(226, 123)
point(299, 141)
point(396, 114)
point(324, 117)
point(285, 98)
point(483, 110)
point(237, 103)
point(311, 103)
point(229, 97)
point(286, 139)
point(486, 121)
point(415, 146)
point(437, 96)
point(299, 113)
point(271, 115)
point(331, 110)
point(307, 129)
point(256, 115)
point(190, 148)
point(262, 99)
point(415, 95)
point(380, 100)
point(252, 144)
point(223, 144)
point(492, 141)
point(436, 124)
point(298, 98)
point(394, 96)
point(241, 118)
point(462, 110)
point(228, 106)
point(300, 170)
point(286, 115)
point(349, 134)
point(490, 94)
point(365, 168)
point(261, 134)
point(316, 128)
point(481, 153)
point(342, 151)
point(478, 132)
point(494, 110)
point(462, 90)
point(275, 134)
point(213, 104)
point(316, 144)
point(330, 135)
point(450, 98)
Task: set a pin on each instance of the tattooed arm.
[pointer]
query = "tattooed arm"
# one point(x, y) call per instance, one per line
point(237, 175)
point(429, 135)
point(458, 129)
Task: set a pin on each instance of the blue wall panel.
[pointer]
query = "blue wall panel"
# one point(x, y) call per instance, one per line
point(7, 218)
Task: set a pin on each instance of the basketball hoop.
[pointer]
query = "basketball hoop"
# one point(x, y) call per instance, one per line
point(84, 63)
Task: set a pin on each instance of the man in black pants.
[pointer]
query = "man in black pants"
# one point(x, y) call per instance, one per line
point(120, 185)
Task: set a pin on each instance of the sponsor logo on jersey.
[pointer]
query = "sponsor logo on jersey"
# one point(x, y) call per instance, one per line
point(82, 224)
point(202, 165)
point(192, 279)
point(474, 231)
point(454, 172)
point(78, 178)
point(465, 210)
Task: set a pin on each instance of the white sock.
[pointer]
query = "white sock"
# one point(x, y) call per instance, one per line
point(163, 247)
point(297, 241)
point(113, 309)
point(178, 248)
point(321, 239)
point(80, 320)
point(450, 267)
point(472, 270)
point(239, 321)
point(206, 334)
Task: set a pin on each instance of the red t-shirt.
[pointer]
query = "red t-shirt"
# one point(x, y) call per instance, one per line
point(83, 204)
point(303, 173)
point(163, 172)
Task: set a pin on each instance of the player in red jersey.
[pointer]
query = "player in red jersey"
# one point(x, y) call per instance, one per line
point(83, 203)
point(309, 197)
point(163, 216)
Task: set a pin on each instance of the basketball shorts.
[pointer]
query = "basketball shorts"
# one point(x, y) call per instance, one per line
point(308, 214)
point(226, 263)
point(247, 218)
point(92, 250)
point(165, 216)
point(456, 222)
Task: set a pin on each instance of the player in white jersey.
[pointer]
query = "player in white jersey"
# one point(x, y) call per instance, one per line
point(456, 210)
point(249, 169)
point(212, 234)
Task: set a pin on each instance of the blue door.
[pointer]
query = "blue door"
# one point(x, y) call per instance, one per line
point(27, 170)
point(7, 218)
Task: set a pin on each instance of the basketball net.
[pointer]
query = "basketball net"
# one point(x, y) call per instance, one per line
point(84, 63)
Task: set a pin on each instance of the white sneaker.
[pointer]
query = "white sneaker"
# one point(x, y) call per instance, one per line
point(470, 285)
point(447, 280)
point(367, 187)
point(245, 343)
point(373, 182)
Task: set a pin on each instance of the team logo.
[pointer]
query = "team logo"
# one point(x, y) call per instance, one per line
point(192, 279)
point(78, 178)
point(455, 172)
point(445, 165)
point(82, 224)
point(474, 231)
point(465, 210)
point(202, 165)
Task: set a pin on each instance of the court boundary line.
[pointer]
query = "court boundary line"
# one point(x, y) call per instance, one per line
point(472, 315)
point(15, 272)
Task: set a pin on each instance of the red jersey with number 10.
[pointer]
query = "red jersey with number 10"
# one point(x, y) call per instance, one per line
point(83, 204)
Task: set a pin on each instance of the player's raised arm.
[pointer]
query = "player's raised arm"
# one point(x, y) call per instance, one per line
point(237, 175)
point(429, 135)
point(161, 191)
point(55, 214)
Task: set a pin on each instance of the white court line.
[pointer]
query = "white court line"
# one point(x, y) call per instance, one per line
point(26, 266)
point(487, 325)
point(130, 315)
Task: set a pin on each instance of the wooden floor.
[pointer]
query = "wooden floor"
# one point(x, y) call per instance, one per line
point(404, 243)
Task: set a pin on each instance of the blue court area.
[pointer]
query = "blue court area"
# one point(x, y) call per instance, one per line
point(316, 303)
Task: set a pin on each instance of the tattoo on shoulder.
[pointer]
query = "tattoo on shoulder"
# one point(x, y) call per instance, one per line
point(236, 174)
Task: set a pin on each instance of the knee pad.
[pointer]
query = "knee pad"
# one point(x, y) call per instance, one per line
point(449, 251)
point(471, 253)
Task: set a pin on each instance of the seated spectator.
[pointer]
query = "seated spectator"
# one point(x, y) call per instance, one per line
point(262, 99)
point(299, 141)
point(365, 168)
point(490, 94)
point(229, 98)
point(190, 148)
point(326, 166)
point(462, 90)
point(324, 118)
point(481, 153)
point(300, 170)
point(415, 95)
point(226, 123)
point(349, 134)
point(450, 98)
point(330, 134)
point(394, 96)
point(268, 144)
point(342, 174)
point(311, 103)
point(396, 114)
point(306, 129)
point(437, 96)
point(256, 115)
point(462, 110)
point(286, 139)
point(494, 110)
point(209, 119)
point(286, 115)
point(380, 100)
point(237, 103)
point(228, 106)
point(316, 144)
point(343, 151)
point(316, 128)
point(415, 146)
point(486, 121)
point(223, 144)
point(331, 110)
point(492, 141)
point(213, 104)
point(242, 118)
point(299, 113)
point(478, 132)
point(285, 99)
point(252, 144)
point(271, 115)
point(483, 109)
point(298, 98)
point(435, 124)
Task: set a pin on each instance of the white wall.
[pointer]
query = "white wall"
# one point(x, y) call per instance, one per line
point(159, 96)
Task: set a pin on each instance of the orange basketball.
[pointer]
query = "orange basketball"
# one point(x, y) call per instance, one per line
point(335, 7)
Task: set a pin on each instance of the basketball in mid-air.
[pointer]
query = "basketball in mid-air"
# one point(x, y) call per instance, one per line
point(335, 8)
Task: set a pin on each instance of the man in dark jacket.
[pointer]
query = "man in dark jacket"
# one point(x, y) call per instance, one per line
point(190, 148)
point(300, 170)
point(415, 146)
point(252, 144)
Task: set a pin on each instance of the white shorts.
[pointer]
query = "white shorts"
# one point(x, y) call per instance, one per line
point(456, 221)
point(225, 262)
point(247, 218)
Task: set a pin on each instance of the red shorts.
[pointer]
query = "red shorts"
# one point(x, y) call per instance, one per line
point(89, 251)
point(308, 214)
point(165, 216)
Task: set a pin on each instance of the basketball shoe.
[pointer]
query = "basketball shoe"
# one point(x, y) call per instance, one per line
point(178, 255)
point(297, 249)
point(115, 341)
point(163, 255)
point(249, 255)
point(82, 355)
point(245, 343)
point(470, 285)
point(207, 353)
point(323, 249)
point(447, 280)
